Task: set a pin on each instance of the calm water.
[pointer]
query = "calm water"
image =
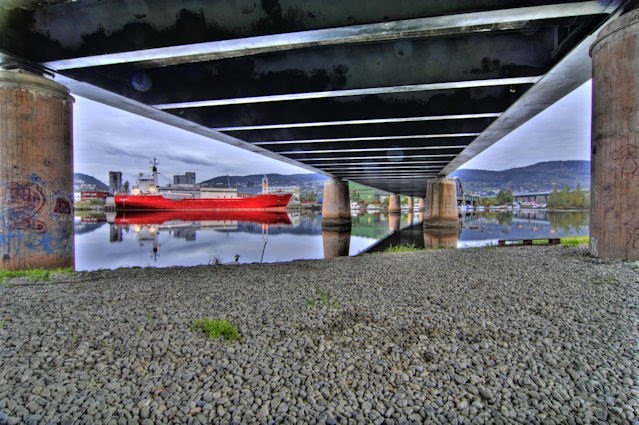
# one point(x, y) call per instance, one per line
point(160, 240)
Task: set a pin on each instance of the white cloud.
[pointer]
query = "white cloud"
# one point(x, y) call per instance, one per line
point(108, 139)
point(561, 132)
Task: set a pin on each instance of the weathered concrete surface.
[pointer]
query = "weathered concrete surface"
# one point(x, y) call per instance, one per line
point(614, 211)
point(394, 204)
point(529, 335)
point(336, 206)
point(36, 173)
point(441, 204)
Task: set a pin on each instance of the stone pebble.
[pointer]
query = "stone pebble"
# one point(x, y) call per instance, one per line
point(527, 335)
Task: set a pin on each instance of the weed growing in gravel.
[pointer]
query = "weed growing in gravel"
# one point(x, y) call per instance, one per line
point(323, 298)
point(574, 240)
point(215, 328)
point(1, 324)
point(402, 248)
point(33, 274)
point(609, 280)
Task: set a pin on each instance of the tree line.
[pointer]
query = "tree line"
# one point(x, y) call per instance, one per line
point(567, 198)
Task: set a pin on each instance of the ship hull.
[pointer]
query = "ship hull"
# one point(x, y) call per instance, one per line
point(159, 202)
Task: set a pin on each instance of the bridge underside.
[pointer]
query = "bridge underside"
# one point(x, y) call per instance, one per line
point(387, 94)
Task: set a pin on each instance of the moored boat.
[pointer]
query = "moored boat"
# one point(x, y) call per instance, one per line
point(148, 197)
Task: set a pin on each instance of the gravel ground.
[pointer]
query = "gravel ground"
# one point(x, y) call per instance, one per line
point(513, 335)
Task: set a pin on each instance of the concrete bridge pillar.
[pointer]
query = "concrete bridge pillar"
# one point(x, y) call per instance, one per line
point(421, 205)
point(410, 204)
point(336, 206)
point(441, 204)
point(36, 172)
point(394, 204)
point(614, 206)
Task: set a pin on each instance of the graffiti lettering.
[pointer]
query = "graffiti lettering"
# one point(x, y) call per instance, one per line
point(62, 206)
point(593, 247)
point(629, 154)
point(24, 201)
point(632, 234)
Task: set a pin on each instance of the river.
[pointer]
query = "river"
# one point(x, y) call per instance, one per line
point(162, 241)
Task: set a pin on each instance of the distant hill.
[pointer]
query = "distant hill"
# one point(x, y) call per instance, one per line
point(538, 177)
point(273, 180)
point(79, 178)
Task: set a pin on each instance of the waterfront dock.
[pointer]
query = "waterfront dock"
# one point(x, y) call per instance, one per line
point(528, 335)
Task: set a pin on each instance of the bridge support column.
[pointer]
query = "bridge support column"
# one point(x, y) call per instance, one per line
point(441, 204)
point(394, 204)
point(336, 206)
point(614, 206)
point(421, 205)
point(36, 172)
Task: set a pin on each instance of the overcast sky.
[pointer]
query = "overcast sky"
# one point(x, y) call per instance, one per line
point(109, 139)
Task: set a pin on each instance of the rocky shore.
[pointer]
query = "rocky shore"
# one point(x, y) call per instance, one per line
point(513, 335)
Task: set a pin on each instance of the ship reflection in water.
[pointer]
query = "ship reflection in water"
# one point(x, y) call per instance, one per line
point(188, 238)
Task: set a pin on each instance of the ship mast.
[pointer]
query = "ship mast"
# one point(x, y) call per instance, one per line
point(154, 170)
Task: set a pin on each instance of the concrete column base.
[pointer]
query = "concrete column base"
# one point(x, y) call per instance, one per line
point(36, 173)
point(614, 205)
point(441, 204)
point(336, 206)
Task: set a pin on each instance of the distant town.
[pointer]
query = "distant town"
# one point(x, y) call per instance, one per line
point(308, 188)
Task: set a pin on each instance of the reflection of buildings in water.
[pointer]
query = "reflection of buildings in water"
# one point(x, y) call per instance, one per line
point(115, 233)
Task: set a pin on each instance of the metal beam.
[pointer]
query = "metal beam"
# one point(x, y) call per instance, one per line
point(386, 157)
point(120, 102)
point(505, 19)
point(360, 122)
point(400, 149)
point(367, 139)
point(383, 163)
point(352, 92)
point(571, 72)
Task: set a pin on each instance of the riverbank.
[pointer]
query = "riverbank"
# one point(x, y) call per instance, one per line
point(531, 334)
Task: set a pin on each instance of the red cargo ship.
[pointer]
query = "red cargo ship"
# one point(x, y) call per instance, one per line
point(148, 198)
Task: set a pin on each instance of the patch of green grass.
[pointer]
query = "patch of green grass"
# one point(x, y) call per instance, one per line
point(402, 248)
point(215, 328)
point(574, 240)
point(323, 298)
point(1, 324)
point(34, 275)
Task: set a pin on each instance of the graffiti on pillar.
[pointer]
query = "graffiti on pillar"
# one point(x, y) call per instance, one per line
point(629, 154)
point(62, 206)
point(632, 231)
point(593, 247)
point(23, 201)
